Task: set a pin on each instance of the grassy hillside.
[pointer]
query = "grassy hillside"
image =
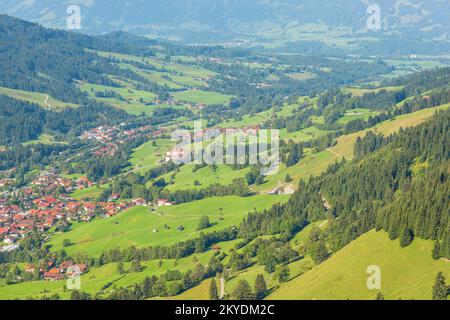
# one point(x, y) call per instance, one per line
point(136, 226)
point(345, 144)
point(45, 101)
point(148, 155)
point(407, 273)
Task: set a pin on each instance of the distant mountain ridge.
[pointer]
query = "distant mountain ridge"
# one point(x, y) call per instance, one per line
point(253, 20)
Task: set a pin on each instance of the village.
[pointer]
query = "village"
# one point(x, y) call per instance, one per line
point(109, 137)
point(44, 208)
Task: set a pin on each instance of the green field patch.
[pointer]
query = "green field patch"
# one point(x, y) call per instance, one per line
point(140, 226)
point(301, 76)
point(87, 193)
point(186, 178)
point(201, 96)
point(406, 273)
point(354, 114)
point(44, 139)
point(43, 100)
point(148, 156)
point(306, 134)
point(129, 99)
point(345, 144)
point(311, 164)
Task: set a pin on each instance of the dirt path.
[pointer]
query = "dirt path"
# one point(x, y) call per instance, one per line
point(49, 107)
point(334, 152)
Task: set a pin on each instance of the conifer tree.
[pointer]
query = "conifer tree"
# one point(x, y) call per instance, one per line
point(440, 288)
point(437, 250)
point(406, 237)
point(213, 292)
point(243, 291)
point(260, 287)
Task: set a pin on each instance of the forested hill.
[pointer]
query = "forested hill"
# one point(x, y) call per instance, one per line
point(37, 59)
point(402, 187)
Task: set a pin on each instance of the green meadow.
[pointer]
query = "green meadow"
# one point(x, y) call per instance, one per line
point(105, 278)
point(186, 178)
point(148, 156)
point(345, 144)
point(131, 100)
point(406, 273)
point(140, 226)
point(43, 100)
point(201, 96)
point(87, 193)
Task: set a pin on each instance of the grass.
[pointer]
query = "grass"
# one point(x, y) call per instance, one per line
point(345, 144)
point(44, 139)
point(134, 101)
point(99, 277)
point(302, 76)
point(311, 164)
point(406, 273)
point(190, 70)
point(303, 135)
point(359, 92)
point(185, 178)
point(354, 114)
point(87, 193)
point(148, 156)
point(136, 226)
point(201, 96)
point(41, 99)
point(296, 268)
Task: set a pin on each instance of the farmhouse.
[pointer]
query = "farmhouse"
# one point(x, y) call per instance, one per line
point(164, 203)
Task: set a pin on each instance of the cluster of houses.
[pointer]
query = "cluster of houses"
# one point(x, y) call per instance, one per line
point(112, 136)
point(43, 206)
point(48, 182)
point(54, 272)
point(45, 212)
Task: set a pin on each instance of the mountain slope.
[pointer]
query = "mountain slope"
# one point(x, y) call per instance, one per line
point(406, 273)
point(219, 20)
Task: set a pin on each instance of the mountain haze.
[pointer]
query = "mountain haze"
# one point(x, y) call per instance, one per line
point(252, 20)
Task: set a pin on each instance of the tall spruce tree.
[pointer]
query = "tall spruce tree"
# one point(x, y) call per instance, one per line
point(406, 237)
point(440, 288)
point(260, 287)
point(436, 250)
point(213, 292)
point(243, 291)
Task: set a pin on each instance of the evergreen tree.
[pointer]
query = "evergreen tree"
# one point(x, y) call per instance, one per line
point(320, 252)
point(440, 288)
point(288, 178)
point(243, 291)
point(260, 287)
point(437, 250)
point(213, 292)
point(406, 237)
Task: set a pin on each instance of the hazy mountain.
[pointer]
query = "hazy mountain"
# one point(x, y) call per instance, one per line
point(254, 20)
